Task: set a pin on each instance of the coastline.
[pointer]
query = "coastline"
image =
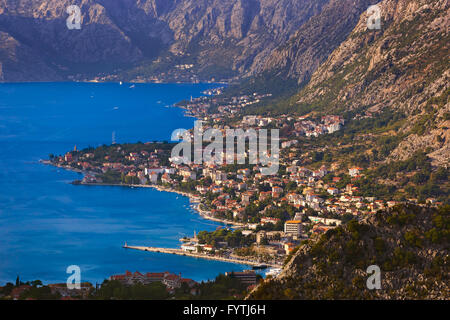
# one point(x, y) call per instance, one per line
point(195, 204)
point(194, 199)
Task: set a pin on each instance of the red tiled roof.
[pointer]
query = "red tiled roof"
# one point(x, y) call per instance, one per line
point(155, 275)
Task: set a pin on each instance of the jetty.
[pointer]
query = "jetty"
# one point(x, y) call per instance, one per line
point(180, 252)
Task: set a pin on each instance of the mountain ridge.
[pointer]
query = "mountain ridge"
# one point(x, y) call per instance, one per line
point(220, 38)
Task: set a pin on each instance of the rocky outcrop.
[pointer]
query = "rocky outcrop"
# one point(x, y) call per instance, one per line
point(407, 243)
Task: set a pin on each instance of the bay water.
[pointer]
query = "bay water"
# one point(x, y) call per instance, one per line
point(48, 224)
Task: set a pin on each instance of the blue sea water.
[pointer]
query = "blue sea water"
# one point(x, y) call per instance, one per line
point(48, 224)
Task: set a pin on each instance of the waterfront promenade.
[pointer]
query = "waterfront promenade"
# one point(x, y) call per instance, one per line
point(200, 255)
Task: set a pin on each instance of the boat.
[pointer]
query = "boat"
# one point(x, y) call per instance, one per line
point(132, 86)
point(121, 83)
point(260, 267)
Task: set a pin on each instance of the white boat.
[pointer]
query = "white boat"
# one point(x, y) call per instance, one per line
point(121, 83)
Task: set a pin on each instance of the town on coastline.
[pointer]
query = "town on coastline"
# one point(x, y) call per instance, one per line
point(266, 217)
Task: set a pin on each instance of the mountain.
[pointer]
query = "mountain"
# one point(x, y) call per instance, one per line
point(311, 45)
point(404, 67)
point(39, 28)
point(401, 69)
point(221, 39)
point(19, 62)
point(408, 243)
point(321, 46)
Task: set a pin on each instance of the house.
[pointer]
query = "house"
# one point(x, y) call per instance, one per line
point(141, 177)
point(238, 213)
point(264, 195)
point(218, 176)
point(288, 144)
point(320, 228)
point(292, 169)
point(333, 191)
point(153, 176)
point(276, 192)
point(68, 157)
point(216, 189)
point(241, 186)
point(245, 198)
point(289, 247)
point(244, 172)
point(325, 221)
point(355, 171)
point(267, 220)
point(166, 178)
point(202, 189)
point(172, 281)
point(156, 170)
point(337, 179)
point(208, 248)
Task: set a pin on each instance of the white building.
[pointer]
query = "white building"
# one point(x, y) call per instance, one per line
point(293, 227)
point(325, 221)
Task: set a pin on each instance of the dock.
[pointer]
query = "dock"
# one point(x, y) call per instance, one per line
point(180, 252)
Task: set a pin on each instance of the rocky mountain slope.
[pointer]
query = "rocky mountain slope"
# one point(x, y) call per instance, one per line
point(315, 40)
point(408, 243)
point(220, 38)
point(401, 68)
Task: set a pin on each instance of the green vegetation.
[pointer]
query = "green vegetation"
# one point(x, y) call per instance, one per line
point(407, 241)
point(35, 291)
point(113, 290)
point(221, 288)
point(234, 239)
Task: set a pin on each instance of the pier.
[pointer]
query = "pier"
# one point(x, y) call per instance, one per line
point(200, 256)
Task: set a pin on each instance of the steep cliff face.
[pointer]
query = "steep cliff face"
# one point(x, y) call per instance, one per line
point(239, 31)
point(403, 67)
point(315, 40)
point(218, 37)
point(407, 243)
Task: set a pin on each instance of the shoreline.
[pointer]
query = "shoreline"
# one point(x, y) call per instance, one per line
point(194, 199)
point(195, 205)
